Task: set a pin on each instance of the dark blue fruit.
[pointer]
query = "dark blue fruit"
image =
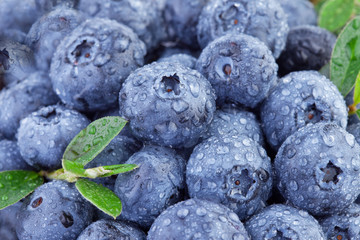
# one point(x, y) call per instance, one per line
point(44, 135)
point(111, 230)
point(298, 99)
point(233, 170)
point(264, 19)
point(197, 219)
point(317, 169)
point(54, 211)
point(156, 184)
point(240, 68)
point(90, 64)
point(167, 104)
point(282, 222)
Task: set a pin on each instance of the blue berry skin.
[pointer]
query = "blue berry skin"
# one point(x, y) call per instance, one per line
point(45, 6)
point(167, 104)
point(111, 230)
point(185, 59)
point(10, 157)
point(8, 222)
point(344, 225)
point(54, 211)
point(47, 32)
point(19, 100)
point(143, 16)
point(317, 168)
point(197, 219)
point(16, 61)
point(232, 170)
point(264, 19)
point(44, 135)
point(240, 68)
point(307, 48)
point(156, 184)
point(18, 15)
point(235, 121)
point(280, 221)
point(13, 35)
point(299, 12)
point(298, 99)
point(181, 17)
point(354, 129)
point(90, 64)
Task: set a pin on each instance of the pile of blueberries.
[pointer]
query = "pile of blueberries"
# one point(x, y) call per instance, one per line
point(235, 132)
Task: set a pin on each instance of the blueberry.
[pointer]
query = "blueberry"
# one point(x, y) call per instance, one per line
point(143, 16)
point(45, 6)
point(344, 225)
point(354, 129)
point(317, 168)
point(16, 61)
point(10, 157)
point(235, 121)
point(181, 17)
point(90, 64)
point(111, 230)
point(19, 100)
point(157, 183)
point(18, 15)
point(197, 219)
point(44, 135)
point(307, 48)
point(8, 222)
point(299, 12)
point(240, 68)
point(264, 19)
point(298, 99)
point(280, 221)
point(47, 32)
point(55, 210)
point(167, 104)
point(232, 170)
point(185, 59)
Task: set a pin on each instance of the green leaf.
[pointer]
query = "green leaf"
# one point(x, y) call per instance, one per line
point(357, 90)
point(91, 141)
point(345, 59)
point(335, 13)
point(318, 5)
point(17, 184)
point(356, 10)
point(117, 169)
point(102, 197)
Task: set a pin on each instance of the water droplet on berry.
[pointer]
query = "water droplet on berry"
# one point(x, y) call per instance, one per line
point(182, 213)
point(293, 185)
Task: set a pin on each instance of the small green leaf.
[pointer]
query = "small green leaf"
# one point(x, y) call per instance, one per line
point(102, 197)
point(91, 141)
point(117, 169)
point(17, 184)
point(357, 90)
point(335, 13)
point(345, 59)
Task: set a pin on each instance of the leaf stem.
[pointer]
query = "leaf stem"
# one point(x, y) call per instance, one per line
point(59, 174)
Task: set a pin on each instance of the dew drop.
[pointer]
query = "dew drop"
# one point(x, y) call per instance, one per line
point(92, 130)
point(9, 177)
point(4, 198)
point(293, 185)
point(87, 148)
point(182, 213)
